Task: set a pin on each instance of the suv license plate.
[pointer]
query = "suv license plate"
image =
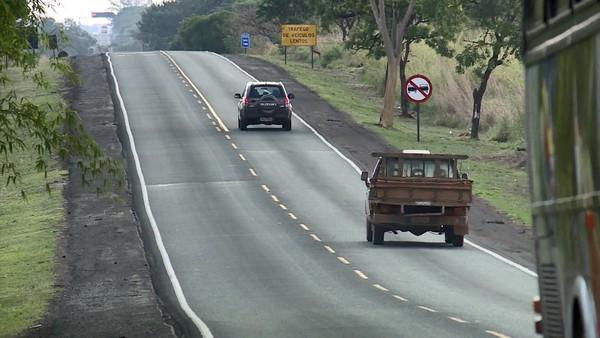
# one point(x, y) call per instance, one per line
point(266, 119)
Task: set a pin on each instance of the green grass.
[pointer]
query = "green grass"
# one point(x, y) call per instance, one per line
point(498, 183)
point(28, 231)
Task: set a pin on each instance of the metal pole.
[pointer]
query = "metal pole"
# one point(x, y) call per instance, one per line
point(418, 123)
point(312, 57)
point(245, 50)
point(285, 55)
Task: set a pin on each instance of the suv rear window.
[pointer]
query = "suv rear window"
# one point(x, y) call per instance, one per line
point(260, 91)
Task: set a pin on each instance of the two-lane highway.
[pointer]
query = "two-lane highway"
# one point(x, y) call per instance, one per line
point(265, 228)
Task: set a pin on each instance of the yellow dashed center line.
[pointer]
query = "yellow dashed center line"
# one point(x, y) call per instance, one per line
point(458, 320)
point(191, 90)
point(328, 248)
point(360, 274)
point(264, 187)
point(379, 287)
point(274, 198)
point(292, 216)
point(426, 308)
point(195, 96)
point(208, 115)
point(304, 226)
point(234, 146)
point(497, 334)
point(400, 298)
point(252, 172)
point(203, 107)
point(228, 137)
point(201, 103)
point(214, 123)
point(343, 260)
point(218, 129)
point(315, 237)
point(283, 207)
point(242, 157)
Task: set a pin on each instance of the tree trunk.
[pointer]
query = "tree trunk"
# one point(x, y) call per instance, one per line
point(477, 101)
point(402, 68)
point(386, 119)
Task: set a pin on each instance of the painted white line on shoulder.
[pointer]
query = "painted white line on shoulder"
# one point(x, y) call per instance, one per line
point(315, 237)
point(462, 321)
point(292, 216)
point(496, 334)
point(358, 170)
point(212, 111)
point(343, 260)
point(252, 172)
point(328, 248)
point(283, 207)
point(265, 188)
point(426, 308)
point(502, 259)
point(379, 287)
point(360, 274)
point(242, 157)
point(202, 327)
point(400, 298)
point(304, 226)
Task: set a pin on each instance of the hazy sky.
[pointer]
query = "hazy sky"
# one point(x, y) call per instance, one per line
point(80, 10)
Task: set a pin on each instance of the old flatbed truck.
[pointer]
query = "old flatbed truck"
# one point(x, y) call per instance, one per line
point(418, 192)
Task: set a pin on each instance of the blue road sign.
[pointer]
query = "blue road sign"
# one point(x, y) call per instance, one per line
point(245, 40)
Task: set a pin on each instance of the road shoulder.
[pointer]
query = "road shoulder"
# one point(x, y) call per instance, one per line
point(488, 227)
point(103, 274)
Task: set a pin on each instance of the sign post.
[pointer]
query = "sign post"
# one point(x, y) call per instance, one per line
point(299, 35)
point(245, 41)
point(417, 90)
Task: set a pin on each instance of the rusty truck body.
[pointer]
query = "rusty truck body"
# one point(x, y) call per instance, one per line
point(418, 192)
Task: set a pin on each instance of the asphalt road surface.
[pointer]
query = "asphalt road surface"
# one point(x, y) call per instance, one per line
point(265, 228)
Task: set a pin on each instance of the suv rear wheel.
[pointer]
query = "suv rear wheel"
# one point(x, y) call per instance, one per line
point(242, 124)
point(287, 125)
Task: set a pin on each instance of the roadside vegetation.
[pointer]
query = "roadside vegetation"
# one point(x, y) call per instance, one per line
point(29, 226)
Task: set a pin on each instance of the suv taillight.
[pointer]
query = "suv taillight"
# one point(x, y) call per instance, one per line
point(246, 100)
point(286, 101)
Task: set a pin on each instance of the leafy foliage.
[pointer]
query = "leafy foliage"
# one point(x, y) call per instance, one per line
point(50, 129)
point(284, 11)
point(208, 32)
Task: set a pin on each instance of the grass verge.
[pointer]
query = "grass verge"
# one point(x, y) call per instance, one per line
point(495, 179)
point(28, 229)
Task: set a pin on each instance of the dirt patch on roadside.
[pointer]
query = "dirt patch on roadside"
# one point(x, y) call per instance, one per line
point(102, 270)
point(489, 228)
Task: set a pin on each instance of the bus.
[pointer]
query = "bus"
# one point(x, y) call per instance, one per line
point(561, 53)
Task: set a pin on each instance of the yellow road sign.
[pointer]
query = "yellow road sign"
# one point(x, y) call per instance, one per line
point(298, 35)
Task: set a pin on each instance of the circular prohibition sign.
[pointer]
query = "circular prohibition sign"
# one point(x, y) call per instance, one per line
point(417, 88)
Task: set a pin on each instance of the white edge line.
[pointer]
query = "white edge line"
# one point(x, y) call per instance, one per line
point(202, 327)
point(221, 124)
point(358, 170)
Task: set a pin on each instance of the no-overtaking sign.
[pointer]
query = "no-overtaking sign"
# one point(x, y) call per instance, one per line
point(417, 88)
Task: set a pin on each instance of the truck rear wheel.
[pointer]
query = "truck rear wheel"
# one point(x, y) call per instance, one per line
point(458, 240)
point(378, 236)
point(369, 232)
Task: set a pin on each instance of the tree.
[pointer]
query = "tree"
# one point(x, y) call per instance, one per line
point(342, 14)
point(284, 11)
point(391, 23)
point(160, 23)
point(207, 32)
point(49, 129)
point(435, 22)
point(497, 42)
point(125, 30)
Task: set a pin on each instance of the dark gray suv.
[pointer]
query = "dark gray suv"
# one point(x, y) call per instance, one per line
point(264, 103)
